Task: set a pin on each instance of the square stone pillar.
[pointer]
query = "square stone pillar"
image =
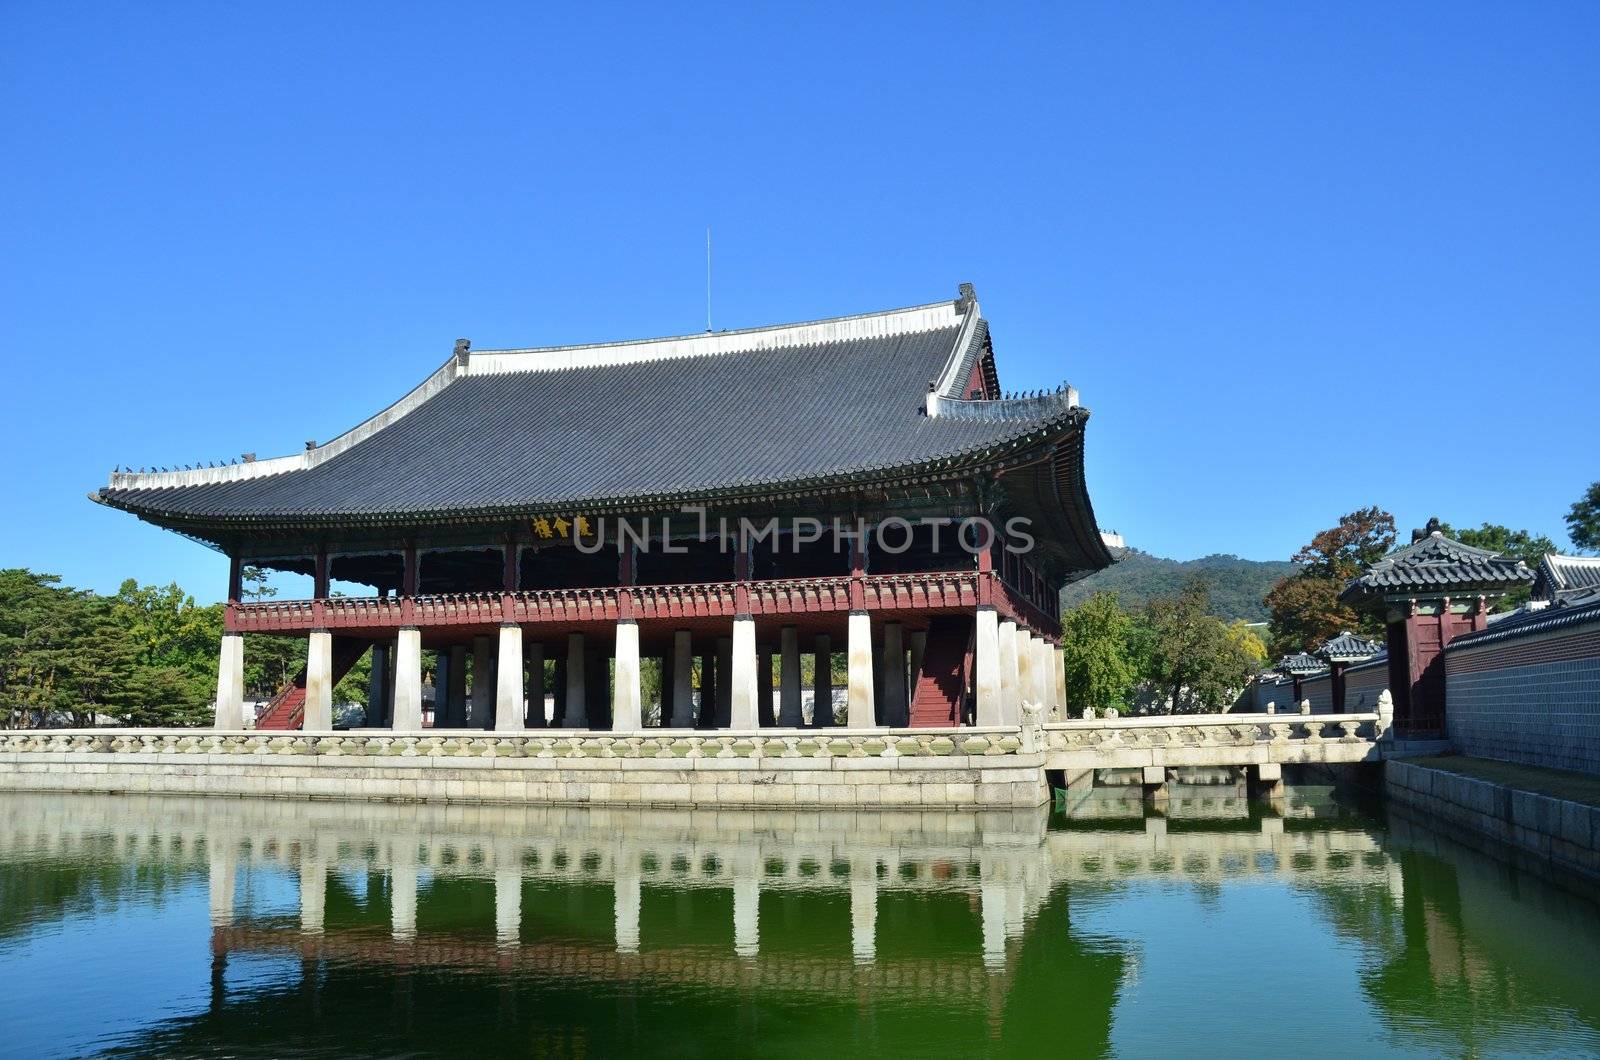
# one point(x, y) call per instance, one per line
point(1010, 693)
point(987, 667)
point(408, 682)
point(508, 703)
point(627, 709)
point(789, 712)
point(482, 702)
point(894, 676)
point(861, 713)
point(1027, 687)
point(722, 715)
point(534, 663)
point(742, 691)
point(378, 687)
point(319, 683)
point(230, 683)
point(1043, 663)
point(682, 690)
point(577, 716)
point(1059, 655)
point(822, 683)
point(455, 715)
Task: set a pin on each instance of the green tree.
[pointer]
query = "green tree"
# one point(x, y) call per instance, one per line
point(1194, 658)
point(1583, 520)
point(1097, 652)
point(1305, 608)
point(1526, 546)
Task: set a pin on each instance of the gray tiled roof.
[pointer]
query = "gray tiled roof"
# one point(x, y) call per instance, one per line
point(1560, 575)
point(485, 438)
point(1579, 607)
point(1347, 647)
point(1300, 664)
point(1437, 563)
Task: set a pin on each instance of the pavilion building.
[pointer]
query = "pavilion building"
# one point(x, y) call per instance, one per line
point(552, 517)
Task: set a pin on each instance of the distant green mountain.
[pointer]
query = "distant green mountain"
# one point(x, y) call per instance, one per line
point(1237, 585)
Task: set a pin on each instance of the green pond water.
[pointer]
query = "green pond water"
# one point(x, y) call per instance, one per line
point(1311, 926)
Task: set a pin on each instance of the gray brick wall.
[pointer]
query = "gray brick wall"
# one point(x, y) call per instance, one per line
point(1320, 691)
point(1541, 712)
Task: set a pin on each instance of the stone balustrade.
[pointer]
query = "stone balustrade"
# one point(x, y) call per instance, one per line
point(1214, 740)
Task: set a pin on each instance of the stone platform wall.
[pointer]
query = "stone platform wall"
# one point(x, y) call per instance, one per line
point(931, 768)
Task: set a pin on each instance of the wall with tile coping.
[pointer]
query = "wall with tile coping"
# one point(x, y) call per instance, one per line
point(1560, 832)
point(1533, 699)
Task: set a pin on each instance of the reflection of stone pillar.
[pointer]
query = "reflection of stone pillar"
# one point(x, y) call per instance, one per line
point(742, 688)
point(509, 708)
point(746, 912)
point(313, 891)
point(626, 891)
point(318, 715)
point(986, 663)
point(408, 683)
point(822, 684)
point(507, 906)
point(894, 675)
point(627, 709)
point(682, 680)
point(224, 865)
point(482, 684)
point(577, 709)
point(860, 712)
point(230, 683)
point(403, 890)
point(789, 712)
point(993, 897)
point(1010, 700)
point(864, 910)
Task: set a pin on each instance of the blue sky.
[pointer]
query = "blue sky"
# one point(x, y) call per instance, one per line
point(1297, 258)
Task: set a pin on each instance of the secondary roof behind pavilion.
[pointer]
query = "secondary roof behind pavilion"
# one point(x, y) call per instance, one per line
point(879, 399)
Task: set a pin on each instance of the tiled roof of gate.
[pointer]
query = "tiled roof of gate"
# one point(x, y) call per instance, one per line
point(657, 420)
point(1347, 646)
point(1437, 563)
point(1560, 575)
point(1300, 663)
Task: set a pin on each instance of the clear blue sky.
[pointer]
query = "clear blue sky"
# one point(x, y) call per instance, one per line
point(1298, 258)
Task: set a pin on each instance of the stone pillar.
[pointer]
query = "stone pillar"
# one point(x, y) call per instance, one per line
point(534, 664)
point(682, 680)
point(742, 692)
point(319, 683)
point(1043, 663)
point(507, 906)
point(894, 676)
point(223, 855)
point(864, 910)
point(482, 687)
point(822, 684)
point(1027, 684)
point(627, 709)
point(403, 890)
point(577, 716)
point(746, 912)
point(230, 683)
point(723, 713)
point(378, 687)
point(408, 682)
point(789, 713)
point(509, 709)
point(1010, 698)
point(313, 891)
point(765, 715)
point(861, 713)
point(625, 887)
point(987, 668)
point(456, 713)
point(1059, 672)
